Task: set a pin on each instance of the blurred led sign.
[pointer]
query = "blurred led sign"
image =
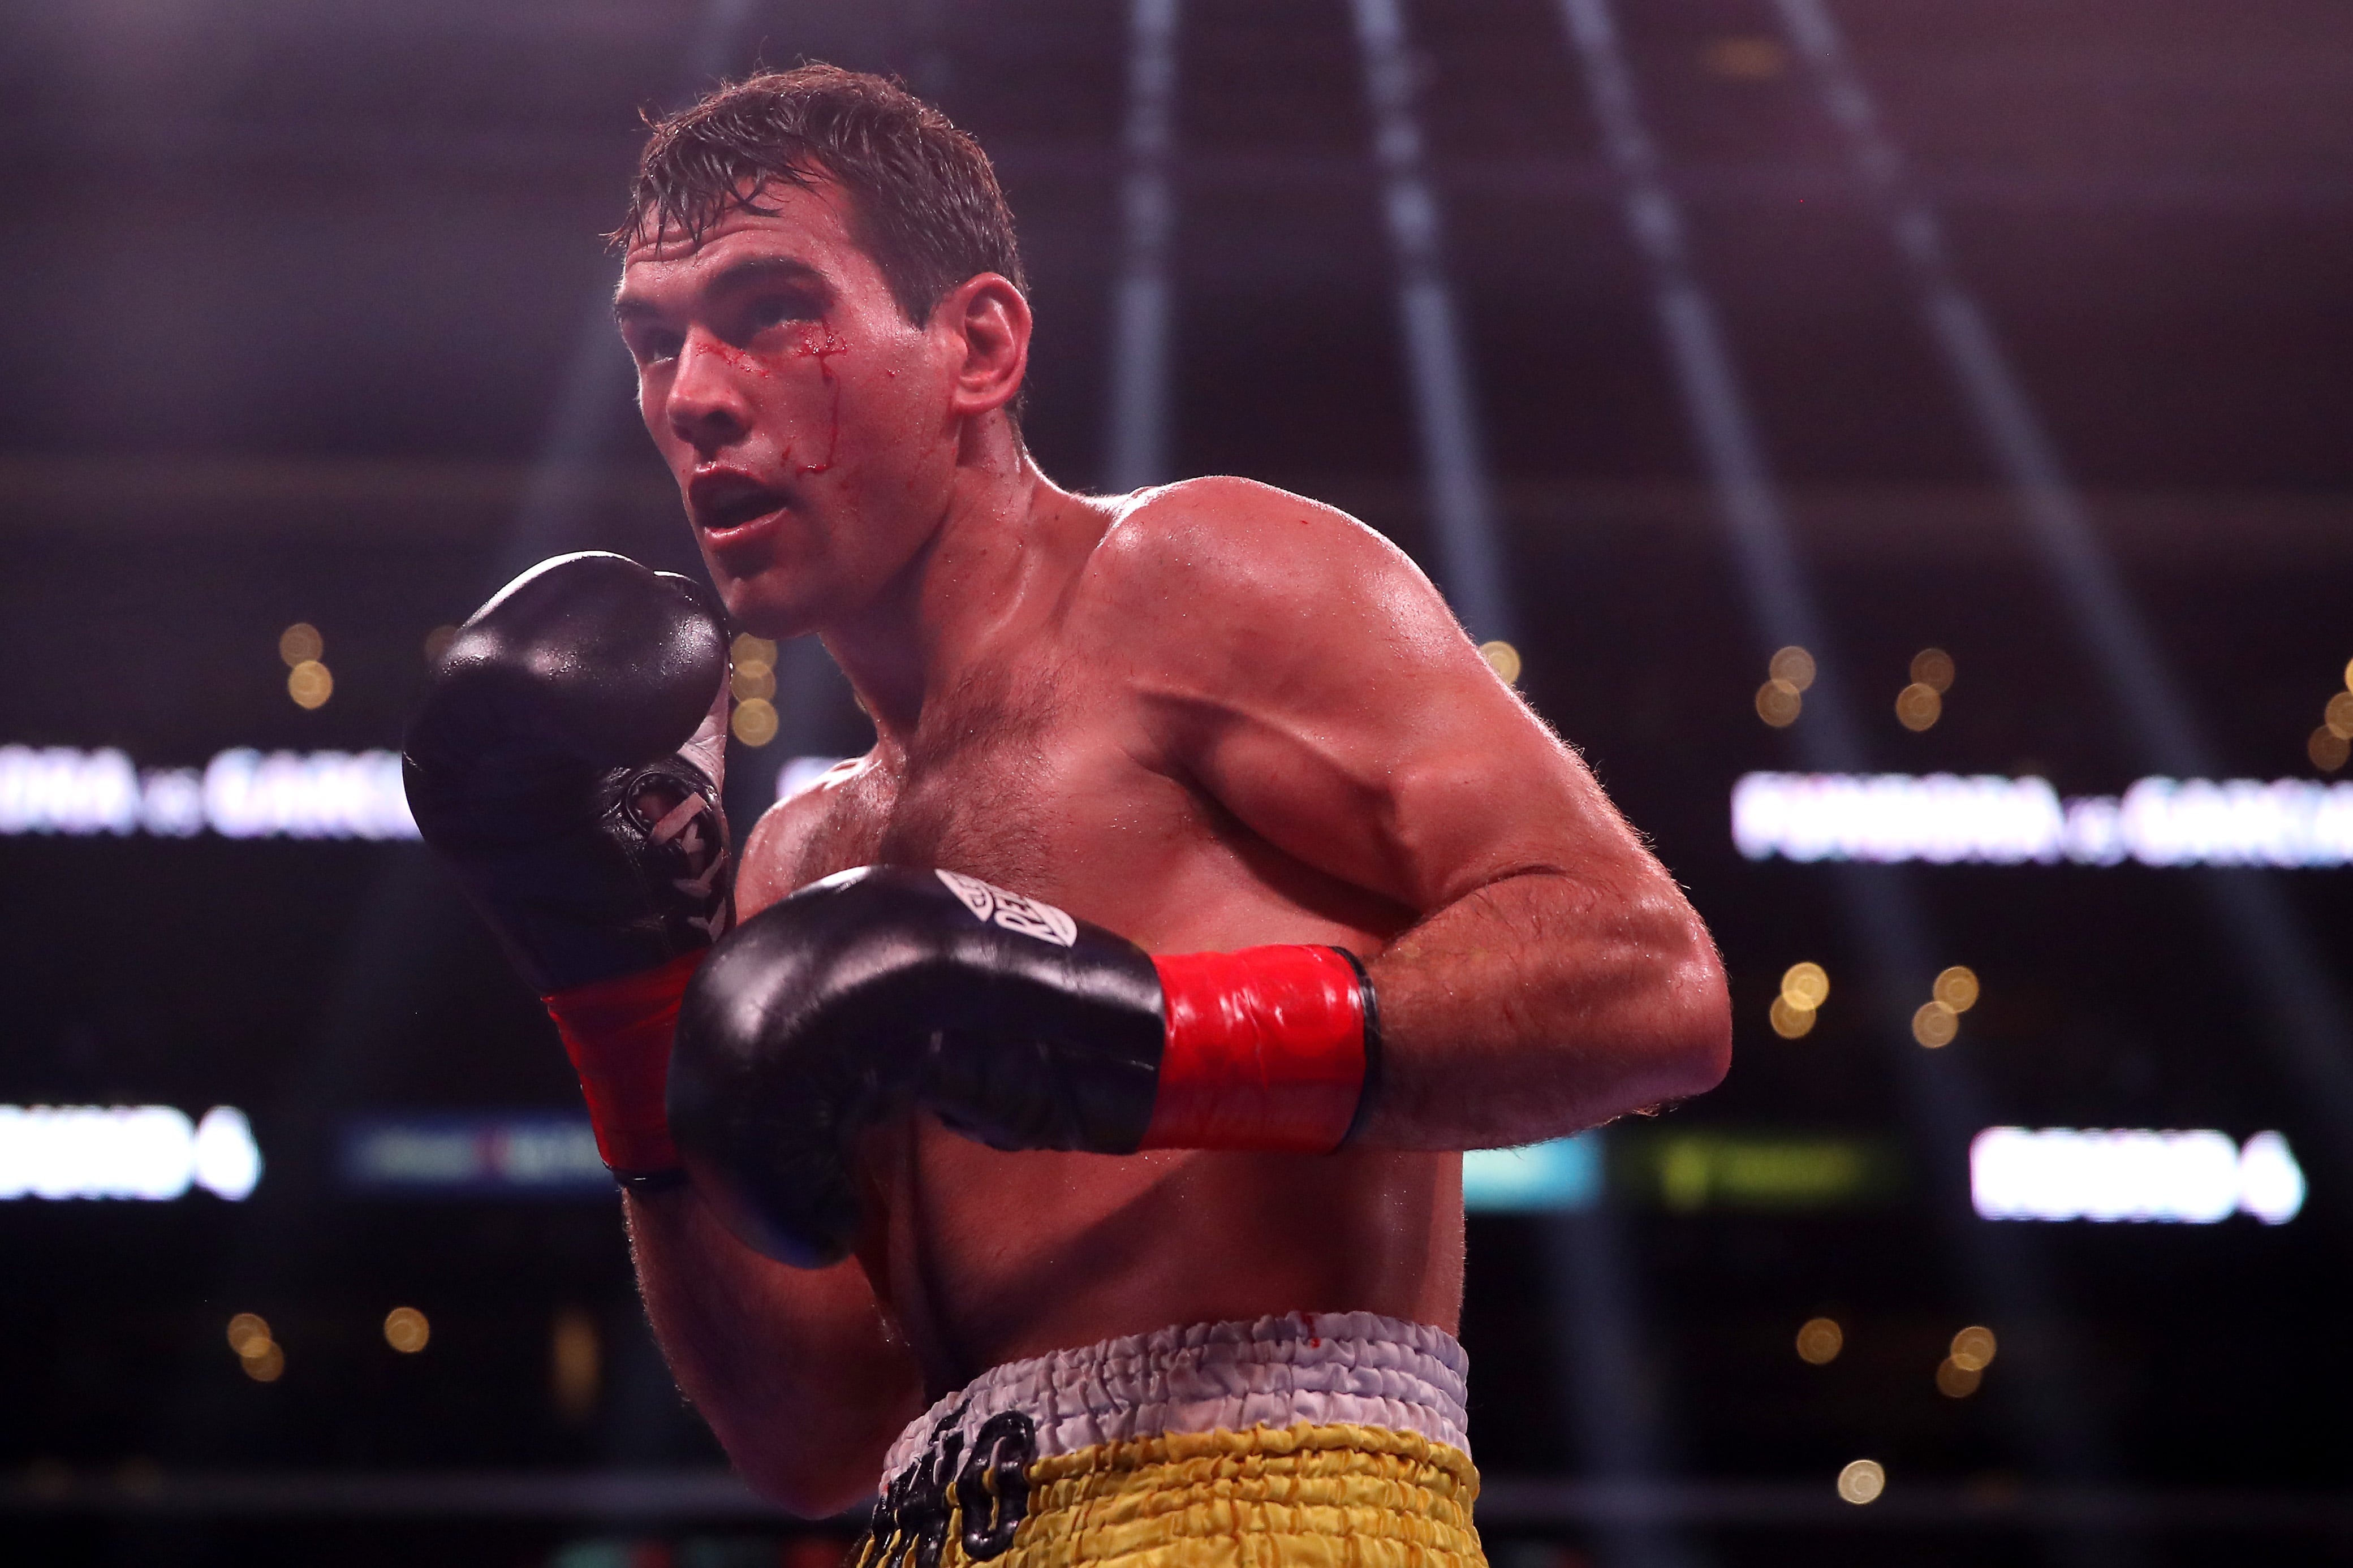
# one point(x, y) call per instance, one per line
point(554, 1154)
point(516, 1154)
point(240, 794)
point(2193, 1178)
point(1686, 1172)
point(1565, 1174)
point(150, 1151)
point(1989, 820)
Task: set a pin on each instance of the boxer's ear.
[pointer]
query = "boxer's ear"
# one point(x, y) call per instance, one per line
point(986, 323)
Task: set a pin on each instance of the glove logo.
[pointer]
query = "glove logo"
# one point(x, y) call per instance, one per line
point(680, 817)
point(1011, 910)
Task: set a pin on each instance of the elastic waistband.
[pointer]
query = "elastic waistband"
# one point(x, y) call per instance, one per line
point(1320, 1369)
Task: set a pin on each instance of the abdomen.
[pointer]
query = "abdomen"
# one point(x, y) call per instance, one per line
point(992, 1256)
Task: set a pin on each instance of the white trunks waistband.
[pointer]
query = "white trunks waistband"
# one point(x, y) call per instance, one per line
point(1320, 1368)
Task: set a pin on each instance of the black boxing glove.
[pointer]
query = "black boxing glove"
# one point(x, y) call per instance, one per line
point(885, 989)
point(566, 764)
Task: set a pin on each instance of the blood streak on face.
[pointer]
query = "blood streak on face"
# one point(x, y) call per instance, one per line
point(821, 352)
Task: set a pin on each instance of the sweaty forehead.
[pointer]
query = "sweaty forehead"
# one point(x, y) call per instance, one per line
point(787, 218)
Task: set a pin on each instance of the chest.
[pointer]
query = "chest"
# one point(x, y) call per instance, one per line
point(1053, 791)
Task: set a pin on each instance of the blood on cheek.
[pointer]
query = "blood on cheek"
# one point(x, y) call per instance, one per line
point(821, 347)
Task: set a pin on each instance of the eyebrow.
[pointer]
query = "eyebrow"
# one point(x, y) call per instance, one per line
point(750, 272)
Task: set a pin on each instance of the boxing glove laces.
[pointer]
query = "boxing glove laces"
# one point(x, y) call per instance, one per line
point(886, 989)
point(566, 764)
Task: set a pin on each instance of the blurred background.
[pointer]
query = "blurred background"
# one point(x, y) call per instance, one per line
point(1904, 445)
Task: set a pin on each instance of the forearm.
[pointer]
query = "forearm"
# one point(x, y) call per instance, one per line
point(1540, 1004)
point(798, 1372)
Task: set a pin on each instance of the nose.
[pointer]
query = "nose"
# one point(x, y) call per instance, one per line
point(706, 406)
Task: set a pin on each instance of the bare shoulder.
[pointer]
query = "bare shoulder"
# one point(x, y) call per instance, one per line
point(1218, 569)
point(790, 837)
point(1235, 533)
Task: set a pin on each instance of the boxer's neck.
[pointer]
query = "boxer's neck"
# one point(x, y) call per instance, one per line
point(1005, 546)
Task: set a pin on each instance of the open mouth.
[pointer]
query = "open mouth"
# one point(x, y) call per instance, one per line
point(722, 502)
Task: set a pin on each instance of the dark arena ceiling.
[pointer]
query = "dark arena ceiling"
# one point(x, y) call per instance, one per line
point(2010, 329)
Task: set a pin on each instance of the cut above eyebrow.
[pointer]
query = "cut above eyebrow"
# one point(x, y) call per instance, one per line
point(750, 272)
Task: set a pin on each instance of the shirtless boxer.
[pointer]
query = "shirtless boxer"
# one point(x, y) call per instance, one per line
point(1195, 1302)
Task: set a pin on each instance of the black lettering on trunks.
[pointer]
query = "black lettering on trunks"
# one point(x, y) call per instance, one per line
point(986, 1491)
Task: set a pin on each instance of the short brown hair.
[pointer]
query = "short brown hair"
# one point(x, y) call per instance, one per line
point(923, 201)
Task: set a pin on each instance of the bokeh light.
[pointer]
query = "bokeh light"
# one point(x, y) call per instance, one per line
point(753, 682)
point(436, 643)
point(1504, 659)
point(247, 1332)
point(300, 644)
point(1933, 667)
point(309, 684)
point(258, 1354)
point(1918, 705)
point(1819, 1339)
point(405, 1330)
point(1974, 1347)
point(1778, 704)
point(1956, 1380)
point(1745, 58)
point(755, 722)
point(2337, 716)
point(574, 1363)
point(1862, 1481)
point(1956, 988)
point(1935, 1024)
point(2327, 748)
point(1806, 987)
point(1794, 666)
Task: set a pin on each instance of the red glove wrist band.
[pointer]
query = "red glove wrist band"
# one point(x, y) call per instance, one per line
point(617, 1034)
point(1268, 1048)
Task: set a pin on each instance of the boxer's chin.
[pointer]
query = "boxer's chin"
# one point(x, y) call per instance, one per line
point(787, 576)
point(774, 601)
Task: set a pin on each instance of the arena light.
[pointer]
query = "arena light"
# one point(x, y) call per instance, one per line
point(241, 794)
point(2294, 979)
point(1136, 444)
point(1458, 490)
point(1551, 1177)
point(150, 1151)
point(1771, 570)
point(2191, 1178)
point(1946, 818)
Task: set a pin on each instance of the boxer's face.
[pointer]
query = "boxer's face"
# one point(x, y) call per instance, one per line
point(806, 420)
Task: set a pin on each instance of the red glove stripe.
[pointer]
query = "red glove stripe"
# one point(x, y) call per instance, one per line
point(1265, 1050)
point(617, 1034)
